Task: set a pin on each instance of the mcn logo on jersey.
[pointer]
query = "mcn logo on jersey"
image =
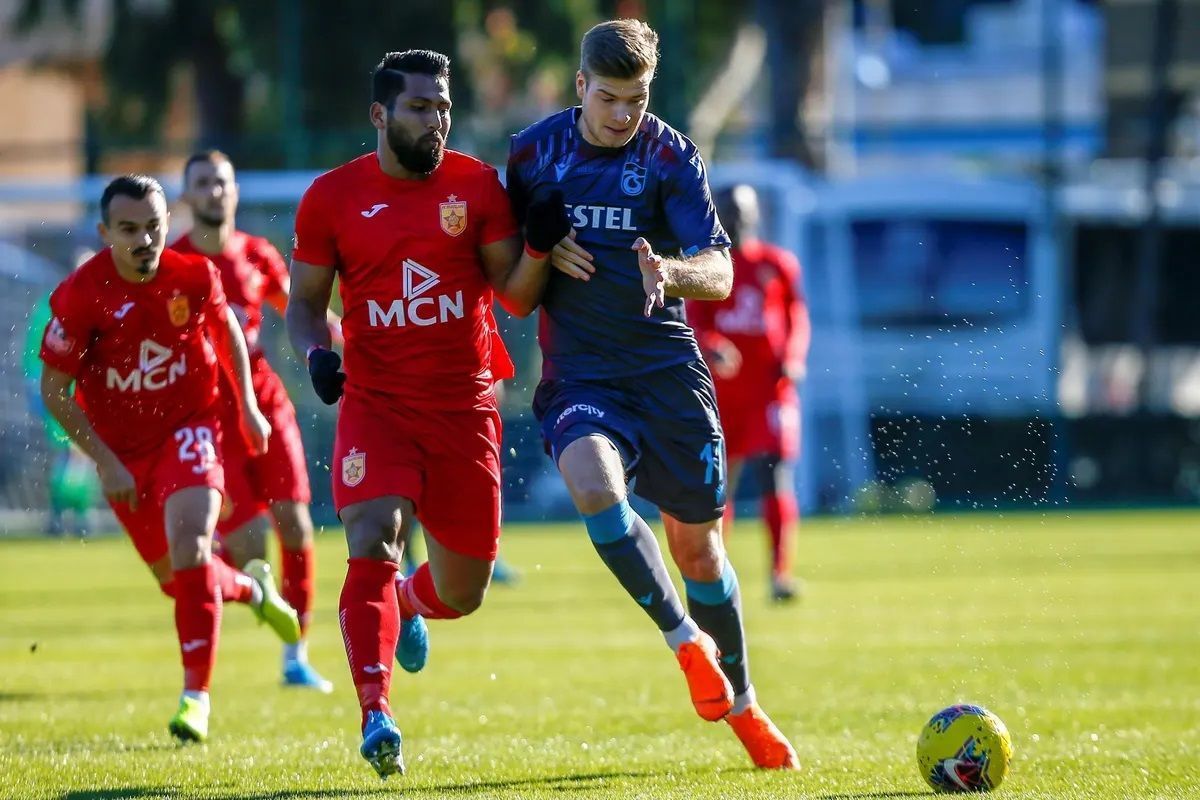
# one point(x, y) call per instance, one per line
point(414, 307)
point(155, 370)
point(609, 218)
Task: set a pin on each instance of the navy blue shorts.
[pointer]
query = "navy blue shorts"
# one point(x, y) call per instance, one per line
point(663, 423)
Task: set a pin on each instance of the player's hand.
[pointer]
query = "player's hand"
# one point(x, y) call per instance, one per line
point(725, 359)
point(546, 220)
point(654, 275)
point(324, 367)
point(570, 258)
point(117, 482)
point(255, 429)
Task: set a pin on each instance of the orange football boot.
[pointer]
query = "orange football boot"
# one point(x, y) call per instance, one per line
point(711, 693)
point(767, 746)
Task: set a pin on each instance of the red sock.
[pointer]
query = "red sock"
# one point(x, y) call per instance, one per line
point(370, 623)
point(298, 582)
point(197, 621)
point(235, 585)
point(219, 550)
point(781, 515)
point(418, 595)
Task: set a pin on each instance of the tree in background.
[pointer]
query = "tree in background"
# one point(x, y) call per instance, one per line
point(285, 83)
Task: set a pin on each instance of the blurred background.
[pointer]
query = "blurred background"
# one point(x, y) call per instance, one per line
point(996, 204)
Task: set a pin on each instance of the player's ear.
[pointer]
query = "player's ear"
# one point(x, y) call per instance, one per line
point(580, 84)
point(378, 115)
point(102, 229)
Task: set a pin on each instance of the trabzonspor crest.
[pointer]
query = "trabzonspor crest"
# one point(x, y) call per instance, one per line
point(633, 179)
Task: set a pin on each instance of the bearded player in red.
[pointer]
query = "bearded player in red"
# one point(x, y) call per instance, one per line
point(420, 238)
point(140, 332)
point(255, 275)
point(756, 342)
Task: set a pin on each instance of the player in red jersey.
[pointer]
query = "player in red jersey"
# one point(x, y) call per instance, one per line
point(757, 342)
point(421, 238)
point(141, 332)
point(255, 275)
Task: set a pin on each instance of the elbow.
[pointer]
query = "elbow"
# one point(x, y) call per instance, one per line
point(519, 308)
point(723, 285)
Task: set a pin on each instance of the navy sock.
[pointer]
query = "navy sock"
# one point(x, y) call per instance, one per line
point(629, 549)
point(717, 608)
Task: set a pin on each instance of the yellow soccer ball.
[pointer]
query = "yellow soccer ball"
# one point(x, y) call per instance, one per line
point(964, 749)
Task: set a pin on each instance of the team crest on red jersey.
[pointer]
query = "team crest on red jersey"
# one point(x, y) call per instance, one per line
point(453, 215)
point(179, 310)
point(354, 467)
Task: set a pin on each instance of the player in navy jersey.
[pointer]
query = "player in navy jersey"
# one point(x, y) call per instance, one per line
point(625, 394)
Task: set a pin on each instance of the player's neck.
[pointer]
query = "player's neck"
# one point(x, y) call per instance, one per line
point(132, 274)
point(390, 166)
point(211, 239)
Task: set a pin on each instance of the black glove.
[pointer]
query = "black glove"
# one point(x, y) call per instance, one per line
point(324, 367)
point(546, 220)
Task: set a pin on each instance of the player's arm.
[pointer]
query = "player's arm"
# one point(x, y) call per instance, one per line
point(278, 300)
point(308, 328)
point(226, 333)
point(799, 327)
point(708, 275)
point(519, 274)
point(116, 481)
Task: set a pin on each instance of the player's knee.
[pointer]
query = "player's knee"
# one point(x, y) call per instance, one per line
point(293, 523)
point(594, 499)
point(374, 535)
point(465, 599)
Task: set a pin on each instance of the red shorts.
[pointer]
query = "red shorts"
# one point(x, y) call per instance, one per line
point(446, 462)
point(757, 428)
point(190, 457)
point(254, 482)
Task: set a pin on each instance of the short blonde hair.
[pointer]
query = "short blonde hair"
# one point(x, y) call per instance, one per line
point(619, 48)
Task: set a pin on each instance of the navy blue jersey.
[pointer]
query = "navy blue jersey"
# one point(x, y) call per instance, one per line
point(655, 186)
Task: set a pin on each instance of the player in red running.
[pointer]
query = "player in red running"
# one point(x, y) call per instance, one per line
point(255, 275)
point(756, 341)
point(419, 237)
point(141, 332)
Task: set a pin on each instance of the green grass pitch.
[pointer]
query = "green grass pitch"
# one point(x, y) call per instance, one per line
point(1081, 631)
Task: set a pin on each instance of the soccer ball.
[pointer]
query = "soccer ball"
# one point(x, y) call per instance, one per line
point(964, 749)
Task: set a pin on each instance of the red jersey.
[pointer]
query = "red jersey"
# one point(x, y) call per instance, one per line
point(251, 271)
point(417, 318)
point(142, 362)
point(765, 316)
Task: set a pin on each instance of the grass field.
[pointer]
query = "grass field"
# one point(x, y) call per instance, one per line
point(1081, 631)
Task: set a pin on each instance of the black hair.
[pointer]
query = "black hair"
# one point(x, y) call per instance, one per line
point(211, 156)
point(136, 186)
point(388, 79)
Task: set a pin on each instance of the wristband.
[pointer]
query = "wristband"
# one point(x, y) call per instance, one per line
point(536, 254)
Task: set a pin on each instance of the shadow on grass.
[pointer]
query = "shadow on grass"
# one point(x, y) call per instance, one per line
point(161, 793)
point(560, 783)
point(871, 795)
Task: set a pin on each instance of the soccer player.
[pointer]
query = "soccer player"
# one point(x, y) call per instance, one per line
point(756, 341)
point(420, 237)
point(141, 333)
point(625, 393)
point(254, 275)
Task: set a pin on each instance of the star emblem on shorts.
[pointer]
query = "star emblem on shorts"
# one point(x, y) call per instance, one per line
point(353, 470)
point(354, 467)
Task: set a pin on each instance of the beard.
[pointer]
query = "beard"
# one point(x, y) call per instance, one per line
point(213, 219)
point(422, 156)
point(145, 260)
